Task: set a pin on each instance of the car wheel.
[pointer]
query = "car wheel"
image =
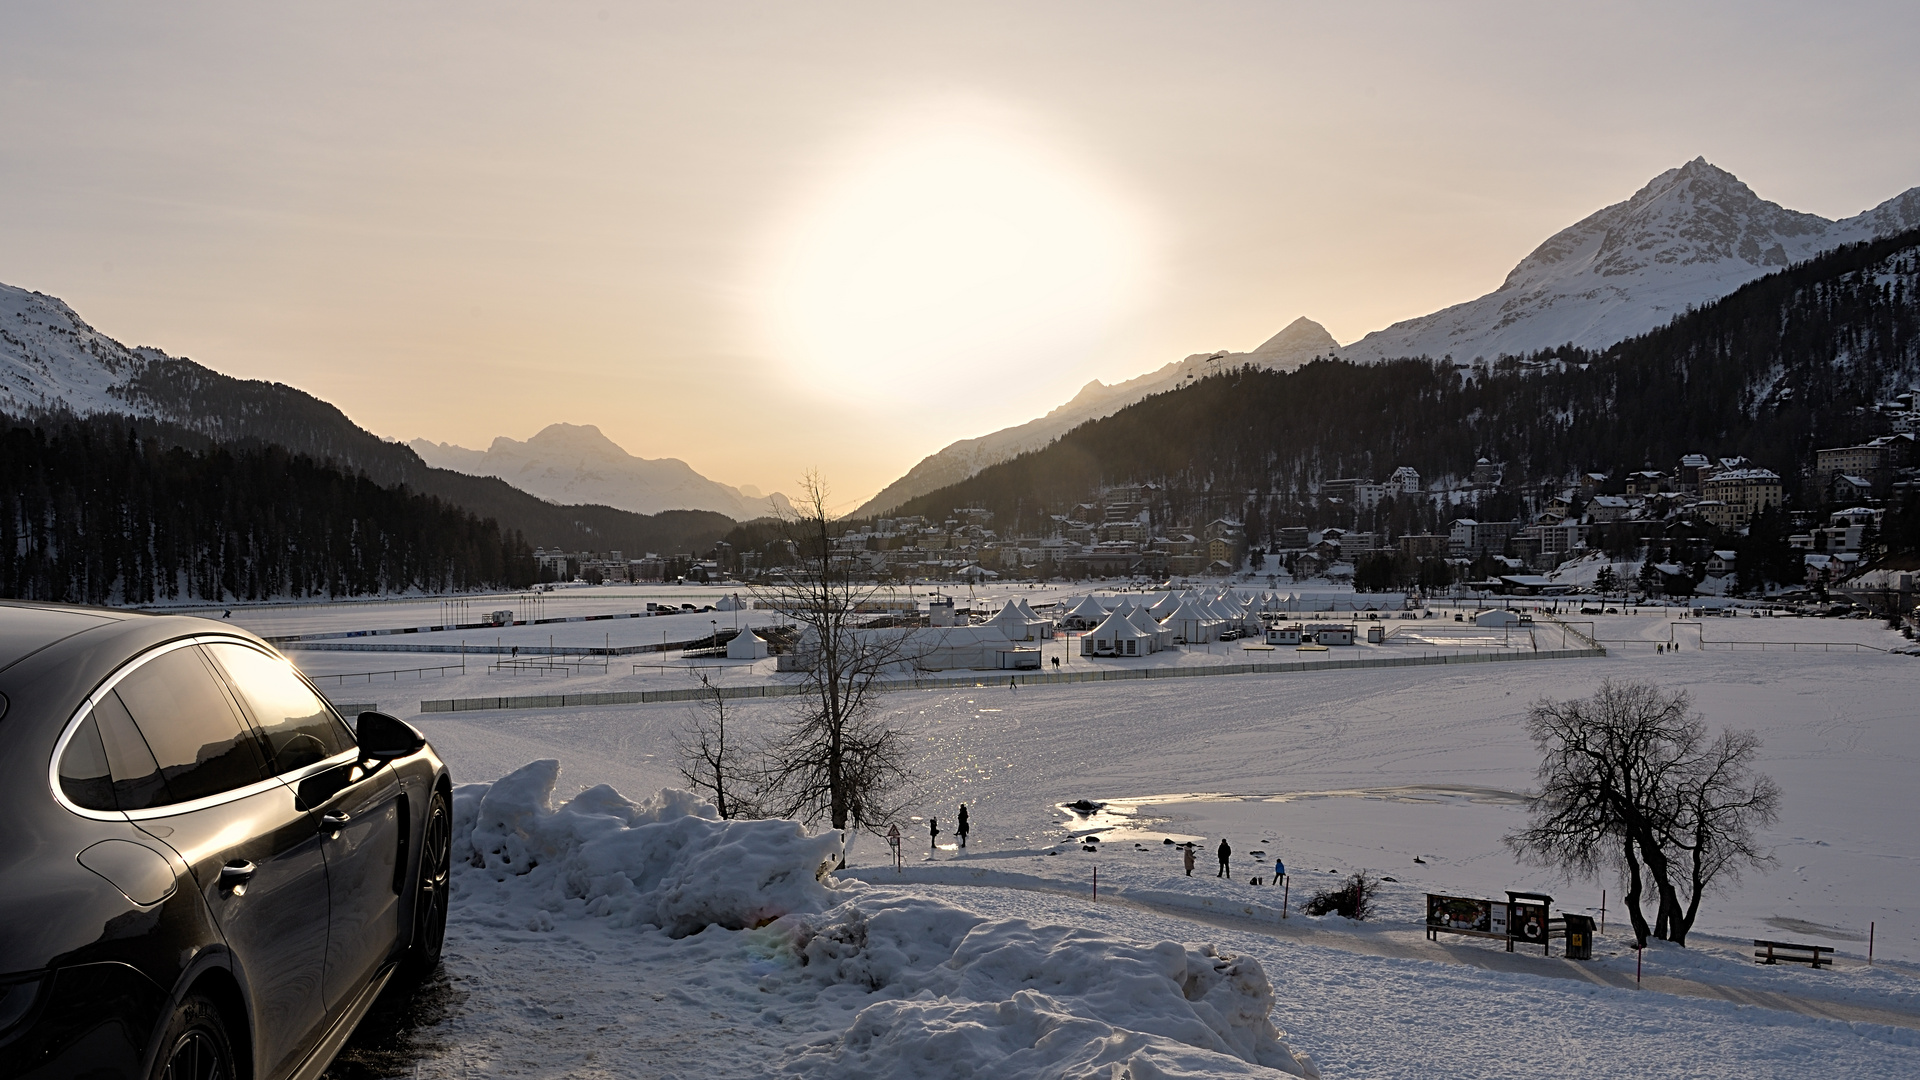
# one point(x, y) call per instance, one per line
point(196, 1046)
point(430, 894)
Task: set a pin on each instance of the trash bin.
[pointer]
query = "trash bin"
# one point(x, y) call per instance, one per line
point(1579, 937)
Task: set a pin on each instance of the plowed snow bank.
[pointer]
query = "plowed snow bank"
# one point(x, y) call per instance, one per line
point(965, 996)
point(669, 862)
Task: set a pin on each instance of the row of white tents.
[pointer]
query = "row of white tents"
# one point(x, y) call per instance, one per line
point(1190, 617)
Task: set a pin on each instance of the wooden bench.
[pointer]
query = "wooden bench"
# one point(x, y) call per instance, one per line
point(1772, 952)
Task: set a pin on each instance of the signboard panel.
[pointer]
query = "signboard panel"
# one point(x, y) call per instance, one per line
point(1459, 913)
point(1528, 923)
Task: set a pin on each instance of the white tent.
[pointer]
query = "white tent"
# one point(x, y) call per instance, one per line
point(1162, 636)
point(1164, 606)
point(1021, 625)
point(1084, 614)
point(1192, 623)
point(746, 645)
point(1116, 637)
point(733, 602)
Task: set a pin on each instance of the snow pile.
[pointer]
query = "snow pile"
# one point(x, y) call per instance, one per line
point(966, 996)
point(669, 862)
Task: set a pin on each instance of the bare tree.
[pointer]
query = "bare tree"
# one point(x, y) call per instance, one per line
point(837, 756)
point(1630, 780)
point(714, 758)
point(1722, 805)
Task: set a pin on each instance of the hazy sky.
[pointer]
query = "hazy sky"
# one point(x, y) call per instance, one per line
point(766, 236)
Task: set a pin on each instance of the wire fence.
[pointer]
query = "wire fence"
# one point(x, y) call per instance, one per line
point(987, 679)
point(368, 677)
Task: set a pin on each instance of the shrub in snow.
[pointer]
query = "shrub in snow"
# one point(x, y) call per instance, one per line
point(669, 861)
point(963, 996)
point(1353, 899)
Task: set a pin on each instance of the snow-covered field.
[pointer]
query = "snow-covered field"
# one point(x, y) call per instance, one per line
point(1333, 770)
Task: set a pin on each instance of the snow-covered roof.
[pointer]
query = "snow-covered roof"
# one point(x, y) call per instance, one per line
point(1087, 610)
point(1116, 626)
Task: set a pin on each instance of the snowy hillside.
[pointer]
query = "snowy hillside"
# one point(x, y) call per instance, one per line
point(575, 463)
point(50, 358)
point(1689, 237)
point(1301, 341)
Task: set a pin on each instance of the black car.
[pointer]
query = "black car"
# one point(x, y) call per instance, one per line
point(205, 874)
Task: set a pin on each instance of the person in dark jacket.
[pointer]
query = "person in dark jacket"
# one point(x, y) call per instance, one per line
point(961, 832)
point(933, 834)
point(1225, 853)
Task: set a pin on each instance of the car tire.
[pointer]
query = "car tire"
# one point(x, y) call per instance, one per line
point(431, 889)
point(195, 1045)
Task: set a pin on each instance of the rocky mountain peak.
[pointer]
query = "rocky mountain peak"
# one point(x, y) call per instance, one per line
point(1302, 338)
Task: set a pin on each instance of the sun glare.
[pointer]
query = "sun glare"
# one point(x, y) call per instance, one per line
point(955, 251)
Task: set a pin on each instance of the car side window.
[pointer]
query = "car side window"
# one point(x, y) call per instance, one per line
point(84, 777)
point(300, 727)
point(137, 782)
point(107, 766)
point(201, 745)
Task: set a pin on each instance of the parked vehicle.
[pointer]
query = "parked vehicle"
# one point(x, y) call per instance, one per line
point(205, 872)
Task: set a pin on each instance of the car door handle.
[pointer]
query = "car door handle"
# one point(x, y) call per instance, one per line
point(334, 820)
point(235, 875)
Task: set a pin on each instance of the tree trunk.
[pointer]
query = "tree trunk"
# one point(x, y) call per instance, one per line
point(1634, 914)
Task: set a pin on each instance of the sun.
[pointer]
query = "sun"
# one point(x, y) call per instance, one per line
point(953, 251)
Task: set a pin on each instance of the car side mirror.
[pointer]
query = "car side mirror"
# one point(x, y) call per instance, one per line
point(387, 738)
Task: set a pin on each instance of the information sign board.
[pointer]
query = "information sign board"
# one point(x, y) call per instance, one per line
point(1459, 913)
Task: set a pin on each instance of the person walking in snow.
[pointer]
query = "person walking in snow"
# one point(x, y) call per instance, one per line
point(1186, 856)
point(933, 834)
point(1225, 853)
point(961, 832)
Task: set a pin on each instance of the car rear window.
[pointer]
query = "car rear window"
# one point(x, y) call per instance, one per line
point(107, 764)
point(300, 727)
point(200, 743)
point(84, 776)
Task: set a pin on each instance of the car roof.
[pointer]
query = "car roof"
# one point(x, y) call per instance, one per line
point(26, 628)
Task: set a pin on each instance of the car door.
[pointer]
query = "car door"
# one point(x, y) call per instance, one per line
point(188, 770)
point(358, 805)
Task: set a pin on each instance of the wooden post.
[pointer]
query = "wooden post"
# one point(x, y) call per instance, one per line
point(1603, 911)
point(1869, 944)
point(1638, 950)
point(1096, 883)
point(1286, 893)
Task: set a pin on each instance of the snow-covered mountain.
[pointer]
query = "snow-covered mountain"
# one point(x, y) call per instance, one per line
point(51, 360)
point(1301, 341)
point(1689, 237)
point(575, 463)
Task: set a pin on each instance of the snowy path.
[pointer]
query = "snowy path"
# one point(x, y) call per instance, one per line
point(1612, 968)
